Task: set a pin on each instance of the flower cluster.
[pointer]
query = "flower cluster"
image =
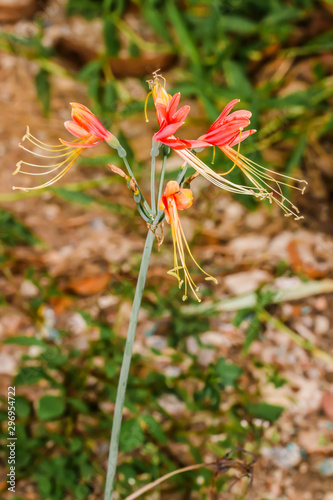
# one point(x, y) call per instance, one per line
point(227, 133)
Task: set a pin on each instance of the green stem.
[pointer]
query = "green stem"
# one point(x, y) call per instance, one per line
point(304, 343)
point(118, 412)
point(182, 174)
point(160, 187)
point(152, 184)
point(130, 173)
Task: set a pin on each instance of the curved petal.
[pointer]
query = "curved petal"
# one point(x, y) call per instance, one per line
point(167, 130)
point(244, 135)
point(183, 199)
point(171, 188)
point(75, 129)
point(88, 121)
point(173, 105)
point(181, 114)
point(224, 113)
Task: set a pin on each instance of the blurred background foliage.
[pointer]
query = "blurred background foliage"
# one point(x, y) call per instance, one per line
point(216, 50)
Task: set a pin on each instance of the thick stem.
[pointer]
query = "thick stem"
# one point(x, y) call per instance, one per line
point(117, 418)
point(130, 173)
point(160, 188)
point(152, 185)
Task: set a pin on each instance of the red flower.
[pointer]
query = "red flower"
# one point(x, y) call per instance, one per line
point(89, 132)
point(227, 130)
point(86, 126)
point(170, 119)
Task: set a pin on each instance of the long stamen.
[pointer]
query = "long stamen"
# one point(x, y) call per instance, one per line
point(72, 159)
point(180, 245)
point(50, 167)
point(44, 156)
point(209, 276)
point(146, 105)
point(254, 171)
point(29, 136)
point(238, 151)
point(213, 177)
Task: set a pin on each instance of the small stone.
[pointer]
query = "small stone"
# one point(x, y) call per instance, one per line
point(7, 364)
point(286, 458)
point(172, 405)
point(107, 301)
point(241, 283)
point(212, 338)
point(157, 342)
point(172, 371)
point(325, 467)
point(206, 356)
point(28, 290)
point(77, 324)
point(97, 224)
point(321, 325)
point(192, 345)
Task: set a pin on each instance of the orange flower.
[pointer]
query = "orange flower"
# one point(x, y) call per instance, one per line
point(174, 198)
point(89, 132)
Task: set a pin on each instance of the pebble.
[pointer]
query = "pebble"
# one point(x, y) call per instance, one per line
point(76, 324)
point(246, 282)
point(325, 467)
point(206, 356)
point(7, 364)
point(286, 457)
point(28, 290)
point(172, 405)
point(156, 342)
point(192, 345)
point(321, 325)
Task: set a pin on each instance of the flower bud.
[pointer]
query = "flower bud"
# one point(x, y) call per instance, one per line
point(133, 186)
point(118, 171)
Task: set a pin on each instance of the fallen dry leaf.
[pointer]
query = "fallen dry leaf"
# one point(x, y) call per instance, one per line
point(90, 285)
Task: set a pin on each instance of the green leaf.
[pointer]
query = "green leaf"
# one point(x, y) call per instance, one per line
point(187, 44)
point(265, 411)
point(90, 70)
point(86, 199)
point(297, 155)
point(236, 78)
point(154, 428)
point(156, 19)
point(50, 407)
point(110, 98)
point(227, 372)
point(76, 444)
point(239, 25)
point(13, 232)
point(79, 405)
point(241, 315)
point(86, 8)
point(251, 333)
point(43, 88)
point(22, 407)
point(131, 435)
point(30, 375)
point(26, 341)
point(78, 197)
point(111, 39)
